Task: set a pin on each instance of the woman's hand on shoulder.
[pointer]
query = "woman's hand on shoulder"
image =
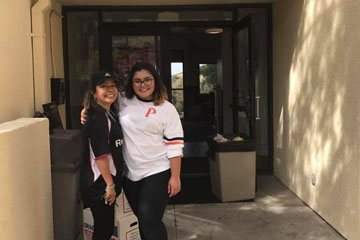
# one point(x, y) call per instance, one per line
point(83, 116)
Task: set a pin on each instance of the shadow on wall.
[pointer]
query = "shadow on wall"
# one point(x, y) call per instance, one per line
point(316, 109)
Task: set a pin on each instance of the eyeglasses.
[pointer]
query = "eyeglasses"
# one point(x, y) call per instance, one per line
point(146, 82)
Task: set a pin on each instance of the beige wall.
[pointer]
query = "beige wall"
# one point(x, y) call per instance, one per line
point(16, 72)
point(47, 48)
point(57, 50)
point(47, 51)
point(25, 181)
point(16, 75)
point(316, 106)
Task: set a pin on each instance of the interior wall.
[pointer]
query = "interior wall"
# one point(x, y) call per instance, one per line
point(316, 106)
point(16, 75)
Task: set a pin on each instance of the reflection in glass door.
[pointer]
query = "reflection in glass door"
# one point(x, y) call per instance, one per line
point(244, 88)
point(244, 85)
point(127, 50)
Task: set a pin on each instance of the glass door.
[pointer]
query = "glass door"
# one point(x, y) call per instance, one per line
point(244, 87)
point(250, 91)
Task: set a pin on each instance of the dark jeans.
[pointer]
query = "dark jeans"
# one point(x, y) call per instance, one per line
point(103, 221)
point(148, 199)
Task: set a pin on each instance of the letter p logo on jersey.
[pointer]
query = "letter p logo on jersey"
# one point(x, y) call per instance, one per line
point(150, 111)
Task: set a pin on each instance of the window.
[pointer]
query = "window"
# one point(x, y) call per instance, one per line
point(177, 87)
point(207, 77)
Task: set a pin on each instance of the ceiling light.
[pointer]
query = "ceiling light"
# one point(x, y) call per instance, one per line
point(214, 30)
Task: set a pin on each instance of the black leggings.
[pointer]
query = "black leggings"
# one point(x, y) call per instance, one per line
point(103, 221)
point(148, 199)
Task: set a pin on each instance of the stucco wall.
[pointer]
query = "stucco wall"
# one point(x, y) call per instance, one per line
point(25, 175)
point(16, 84)
point(16, 62)
point(47, 48)
point(25, 180)
point(316, 106)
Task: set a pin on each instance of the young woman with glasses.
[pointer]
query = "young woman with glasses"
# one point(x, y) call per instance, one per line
point(153, 142)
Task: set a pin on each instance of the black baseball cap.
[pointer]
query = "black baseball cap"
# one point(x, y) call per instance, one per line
point(100, 76)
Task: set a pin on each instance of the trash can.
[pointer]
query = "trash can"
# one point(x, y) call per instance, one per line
point(232, 169)
point(65, 150)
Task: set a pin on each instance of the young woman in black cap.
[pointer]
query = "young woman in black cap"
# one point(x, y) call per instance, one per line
point(102, 167)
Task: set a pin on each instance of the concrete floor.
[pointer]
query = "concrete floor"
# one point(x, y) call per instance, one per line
point(276, 214)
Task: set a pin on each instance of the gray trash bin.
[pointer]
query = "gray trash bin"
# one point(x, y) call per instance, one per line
point(232, 169)
point(65, 150)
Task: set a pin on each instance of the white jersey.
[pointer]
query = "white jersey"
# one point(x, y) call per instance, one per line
point(152, 135)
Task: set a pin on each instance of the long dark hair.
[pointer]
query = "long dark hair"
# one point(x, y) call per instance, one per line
point(159, 95)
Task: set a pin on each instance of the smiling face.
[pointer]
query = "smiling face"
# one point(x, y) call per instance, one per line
point(106, 93)
point(143, 84)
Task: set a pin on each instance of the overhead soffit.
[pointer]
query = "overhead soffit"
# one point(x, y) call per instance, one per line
point(154, 2)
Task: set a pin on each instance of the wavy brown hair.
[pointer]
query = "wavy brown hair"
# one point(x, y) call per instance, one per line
point(159, 95)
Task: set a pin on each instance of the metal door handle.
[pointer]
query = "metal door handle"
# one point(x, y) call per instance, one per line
point(257, 107)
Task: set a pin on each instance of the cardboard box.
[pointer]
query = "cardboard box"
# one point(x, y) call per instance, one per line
point(128, 228)
point(125, 228)
point(122, 207)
